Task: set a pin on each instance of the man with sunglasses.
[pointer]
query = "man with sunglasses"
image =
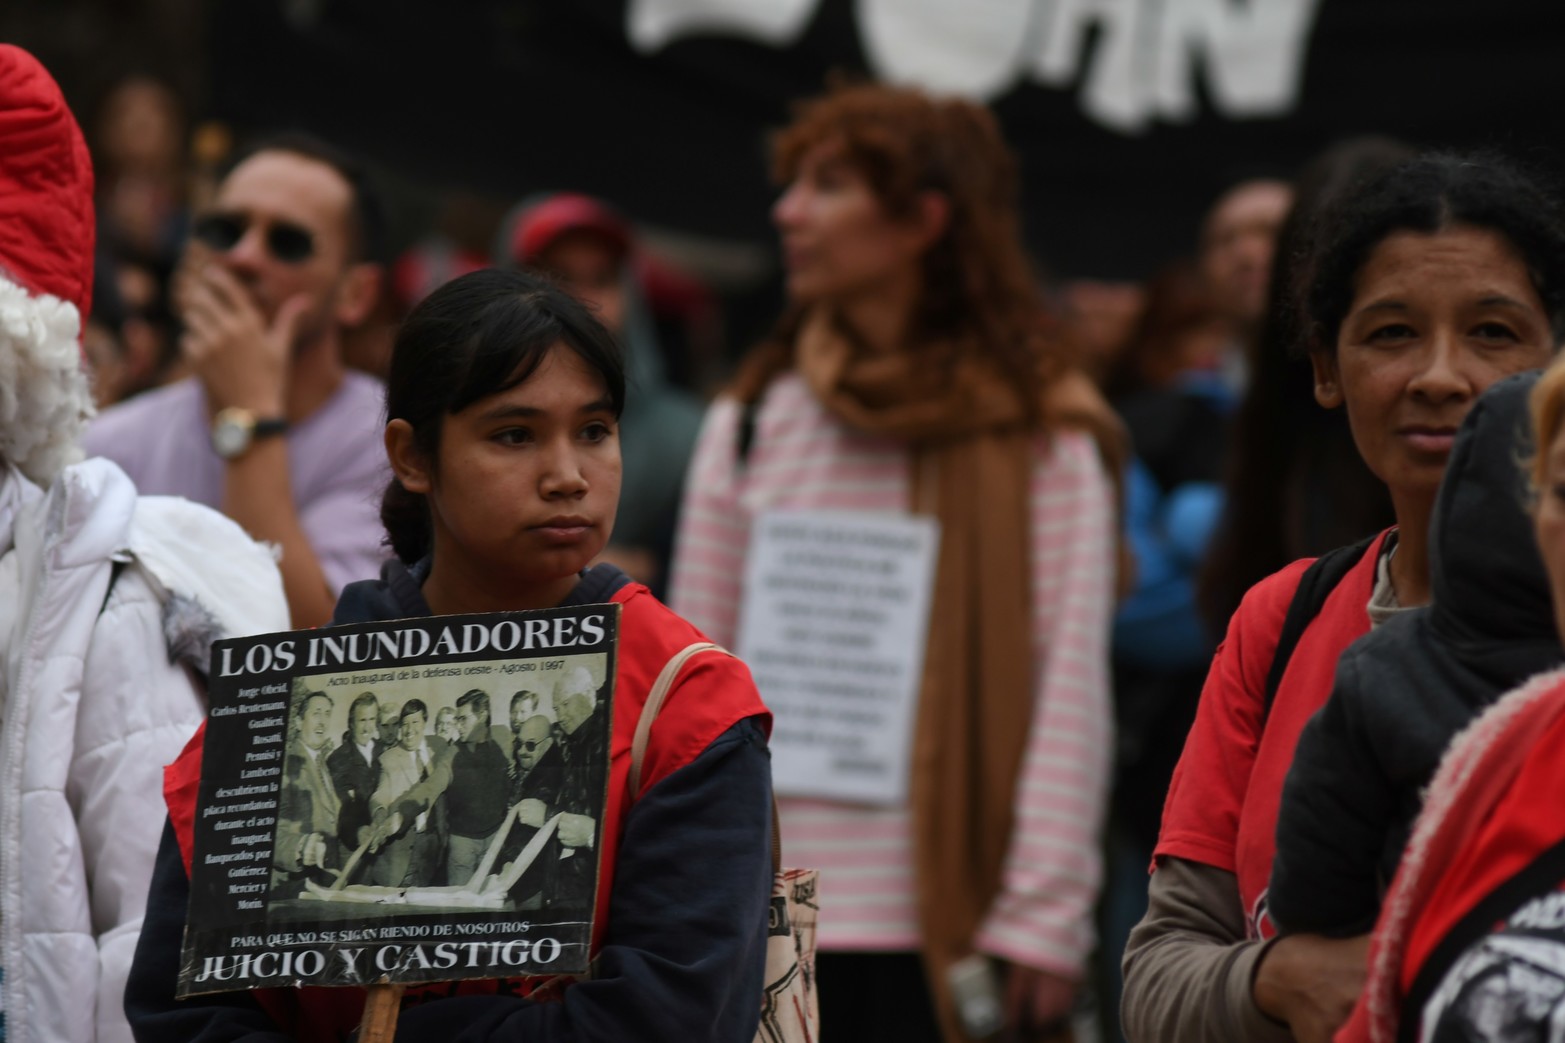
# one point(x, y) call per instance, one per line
point(537, 775)
point(535, 758)
point(271, 427)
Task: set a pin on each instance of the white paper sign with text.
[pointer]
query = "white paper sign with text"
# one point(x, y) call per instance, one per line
point(835, 613)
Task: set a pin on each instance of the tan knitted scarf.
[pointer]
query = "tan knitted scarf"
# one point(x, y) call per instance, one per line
point(972, 459)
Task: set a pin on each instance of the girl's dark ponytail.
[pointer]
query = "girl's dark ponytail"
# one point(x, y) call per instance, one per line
point(405, 516)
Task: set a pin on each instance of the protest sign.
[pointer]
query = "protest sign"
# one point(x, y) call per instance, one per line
point(833, 623)
point(411, 801)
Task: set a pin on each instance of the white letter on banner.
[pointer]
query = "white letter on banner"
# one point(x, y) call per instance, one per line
point(1253, 54)
point(652, 24)
point(1117, 88)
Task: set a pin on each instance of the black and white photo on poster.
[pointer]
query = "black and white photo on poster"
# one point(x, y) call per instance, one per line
point(1507, 988)
point(417, 801)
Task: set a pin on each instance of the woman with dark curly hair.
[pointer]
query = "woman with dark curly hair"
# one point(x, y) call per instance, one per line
point(915, 371)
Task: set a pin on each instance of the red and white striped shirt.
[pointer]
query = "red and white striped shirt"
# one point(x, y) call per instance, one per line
point(802, 458)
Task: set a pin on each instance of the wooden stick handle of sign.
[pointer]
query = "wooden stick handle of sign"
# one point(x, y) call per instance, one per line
point(381, 1005)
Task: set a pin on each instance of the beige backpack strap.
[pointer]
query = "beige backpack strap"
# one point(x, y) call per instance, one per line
point(655, 699)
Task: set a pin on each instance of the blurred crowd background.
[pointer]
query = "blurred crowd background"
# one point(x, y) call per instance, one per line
point(1170, 151)
point(1129, 118)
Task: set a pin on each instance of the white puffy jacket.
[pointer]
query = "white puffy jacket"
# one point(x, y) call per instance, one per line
point(117, 598)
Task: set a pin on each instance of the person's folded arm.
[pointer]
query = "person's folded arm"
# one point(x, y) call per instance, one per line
point(1189, 971)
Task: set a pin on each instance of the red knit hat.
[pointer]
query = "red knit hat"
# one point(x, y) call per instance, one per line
point(46, 216)
point(46, 257)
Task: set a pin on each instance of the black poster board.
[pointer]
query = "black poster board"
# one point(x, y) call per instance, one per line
point(411, 844)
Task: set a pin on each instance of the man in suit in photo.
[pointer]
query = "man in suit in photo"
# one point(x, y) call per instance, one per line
point(354, 767)
point(408, 808)
point(306, 844)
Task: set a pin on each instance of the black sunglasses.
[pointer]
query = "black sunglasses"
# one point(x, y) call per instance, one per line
point(530, 744)
point(285, 241)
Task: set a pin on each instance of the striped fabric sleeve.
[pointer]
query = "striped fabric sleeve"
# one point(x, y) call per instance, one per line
point(714, 532)
point(1043, 915)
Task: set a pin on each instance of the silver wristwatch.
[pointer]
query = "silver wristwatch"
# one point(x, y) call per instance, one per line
point(235, 430)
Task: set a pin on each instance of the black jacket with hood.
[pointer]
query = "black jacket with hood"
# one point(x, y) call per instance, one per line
point(1404, 690)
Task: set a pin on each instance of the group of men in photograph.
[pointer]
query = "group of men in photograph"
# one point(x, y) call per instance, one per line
point(421, 805)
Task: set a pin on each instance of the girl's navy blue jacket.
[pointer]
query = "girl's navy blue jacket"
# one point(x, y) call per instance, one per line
point(684, 948)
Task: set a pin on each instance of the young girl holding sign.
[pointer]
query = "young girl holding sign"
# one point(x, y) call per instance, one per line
point(503, 404)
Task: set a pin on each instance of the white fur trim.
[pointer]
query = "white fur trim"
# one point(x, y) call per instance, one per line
point(44, 398)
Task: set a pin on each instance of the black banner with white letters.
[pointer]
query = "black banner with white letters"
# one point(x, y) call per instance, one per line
point(1129, 115)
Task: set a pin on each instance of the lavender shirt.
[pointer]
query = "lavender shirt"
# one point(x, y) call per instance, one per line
point(336, 462)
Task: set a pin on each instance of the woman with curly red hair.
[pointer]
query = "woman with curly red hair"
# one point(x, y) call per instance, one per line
point(915, 371)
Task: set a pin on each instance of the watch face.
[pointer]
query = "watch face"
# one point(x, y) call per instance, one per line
point(229, 439)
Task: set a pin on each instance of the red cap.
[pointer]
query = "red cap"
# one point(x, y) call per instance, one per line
point(543, 223)
point(46, 212)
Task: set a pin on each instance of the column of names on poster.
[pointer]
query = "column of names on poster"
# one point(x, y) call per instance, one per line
point(833, 625)
point(245, 810)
